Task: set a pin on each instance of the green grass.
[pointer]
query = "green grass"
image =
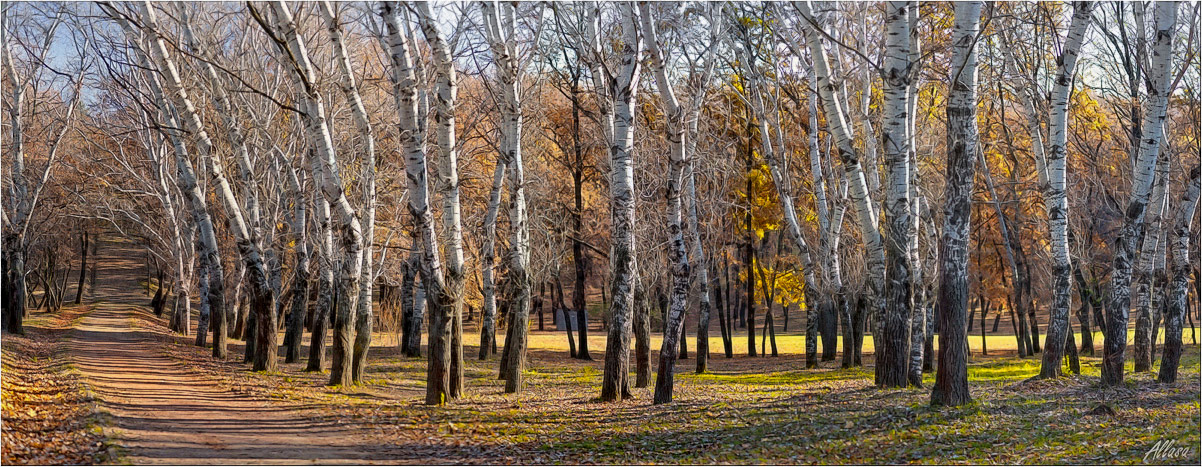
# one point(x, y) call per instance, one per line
point(752, 410)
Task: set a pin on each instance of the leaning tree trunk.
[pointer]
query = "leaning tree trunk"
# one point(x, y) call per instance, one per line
point(439, 302)
point(1175, 295)
point(578, 259)
point(186, 181)
point(83, 267)
point(833, 108)
point(951, 375)
point(448, 177)
point(363, 310)
point(1153, 123)
point(295, 326)
point(488, 255)
point(324, 171)
point(242, 217)
point(701, 265)
point(326, 292)
point(499, 27)
point(1146, 297)
point(1055, 197)
point(623, 88)
point(678, 257)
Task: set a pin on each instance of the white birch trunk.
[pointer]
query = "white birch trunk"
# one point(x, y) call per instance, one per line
point(951, 376)
point(1175, 293)
point(1118, 309)
point(677, 251)
point(186, 181)
point(500, 32)
point(448, 178)
point(363, 313)
point(1055, 197)
point(860, 196)
point(623, 89)
point(488, 260)
point(1145, 280)
point(438, 374)
point(893, 350)
point(325, 172)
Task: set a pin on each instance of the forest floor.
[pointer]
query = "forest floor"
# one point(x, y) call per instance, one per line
point(167, 401)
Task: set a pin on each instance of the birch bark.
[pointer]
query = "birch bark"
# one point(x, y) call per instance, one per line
point(438, 299)
point(849, 157)
point(185, 180)
point(623, 88)
point(488, 260)
point(893, 354)
point(325, 171)
point(363, 312)
point(1165, 18)
point(951, 376)
point(1175, 295)
point(448, 178)
point(678, 256)
point(500, 31)
point(1055, 197)
point(1145, 280)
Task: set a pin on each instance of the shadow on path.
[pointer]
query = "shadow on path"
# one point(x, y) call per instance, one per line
point(163, 413)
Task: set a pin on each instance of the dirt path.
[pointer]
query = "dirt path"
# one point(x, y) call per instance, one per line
point(162, 413)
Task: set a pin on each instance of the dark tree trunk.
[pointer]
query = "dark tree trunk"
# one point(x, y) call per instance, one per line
point(326, 297)
point(559, 311)
point(748, 260)
point(296, 316)
point(828, 323)
point(642, 340)
point(410, 325)
point(503, 374)
point(984, 314)
point(83, 268)
point(928, 346)
point(844, 309)
point(1175, 299)
point(860, 324)
point(723, 315)
point(1083, 312)
point(539, 304)
point(249, 333)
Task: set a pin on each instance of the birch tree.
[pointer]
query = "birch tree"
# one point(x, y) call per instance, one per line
point(324, 170)
point(618, 126)
point(951, 377)
point(143, 44)
point(363, 312)
point(678, 256)
point(772, 144)
point(245, 216)
point(1057, 202)
point(439, 301)
point(893, 350)
point(262, 295)
point(1175, 293)
point(1159, 89)
point(499, 27)
point(833, 108)
point(26, 184)
point(1147, 282)
point(448, 181)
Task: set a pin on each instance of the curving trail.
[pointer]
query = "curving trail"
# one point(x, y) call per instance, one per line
point(163, 413)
